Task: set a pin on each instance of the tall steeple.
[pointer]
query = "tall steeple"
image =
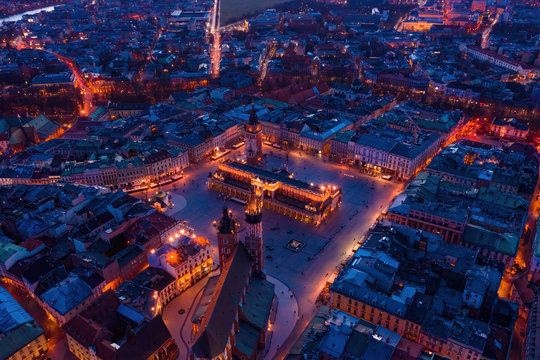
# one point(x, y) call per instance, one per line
point(227, 236)
point(254, 239)
point(253, 119)
point(253, 136)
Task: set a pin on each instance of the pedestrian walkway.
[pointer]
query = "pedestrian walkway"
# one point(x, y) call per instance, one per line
point(286, 316)
point(178, 324)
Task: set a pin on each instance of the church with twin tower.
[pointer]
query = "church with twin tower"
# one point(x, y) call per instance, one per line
point(234, 323)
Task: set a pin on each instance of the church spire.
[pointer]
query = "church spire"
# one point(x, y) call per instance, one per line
point(254, 239)
point(253, 209)
point(253, 137)
point(226, 236)
point(226, 223)
point(253, 119)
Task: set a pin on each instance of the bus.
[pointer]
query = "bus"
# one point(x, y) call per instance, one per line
point(239, 145)
point(238, 201)
point(220, 154)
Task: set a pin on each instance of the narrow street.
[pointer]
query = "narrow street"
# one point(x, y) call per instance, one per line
point(525, 250)
point(87, 90)
point(55, 335)
point(487, 32)
point(138, 76)
point(179, 324)
point(266, 56)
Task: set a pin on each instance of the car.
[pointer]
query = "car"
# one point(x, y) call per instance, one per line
point(289, 231)
point(386, 177)
point(181, 311)
point(270, 247)
point(269, 257)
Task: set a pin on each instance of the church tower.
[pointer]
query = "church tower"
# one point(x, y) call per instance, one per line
point(253, 136)
point(227, 237)
point(254, 240)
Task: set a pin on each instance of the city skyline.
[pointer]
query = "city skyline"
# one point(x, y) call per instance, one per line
point(307, 179)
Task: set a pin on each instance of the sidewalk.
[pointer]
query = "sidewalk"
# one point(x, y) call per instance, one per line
point(286, 316)
point(179, 325)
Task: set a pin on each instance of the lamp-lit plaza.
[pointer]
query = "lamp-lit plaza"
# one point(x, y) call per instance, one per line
point(306, 268)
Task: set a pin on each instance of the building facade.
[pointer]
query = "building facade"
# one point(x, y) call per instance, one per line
point(281, 193)
point(509, 128)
